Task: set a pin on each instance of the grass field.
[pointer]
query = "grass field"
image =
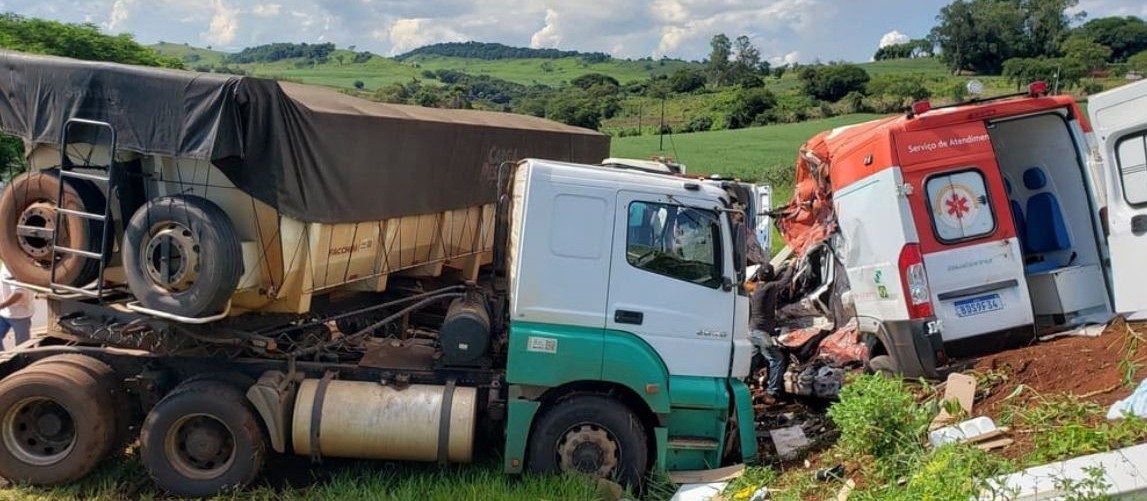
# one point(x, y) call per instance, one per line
point(751, 154)
point(551, 72)
point(294, 480)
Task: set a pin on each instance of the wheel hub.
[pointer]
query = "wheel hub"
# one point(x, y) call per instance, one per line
point(200, 447)
point(588, 449)
point(38, 431)
point(37, 216)
point(172, 257)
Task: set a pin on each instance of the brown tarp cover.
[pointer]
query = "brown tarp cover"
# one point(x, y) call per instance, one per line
point(313, 153)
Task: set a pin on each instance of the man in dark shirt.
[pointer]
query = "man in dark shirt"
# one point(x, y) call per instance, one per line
point(763, 325)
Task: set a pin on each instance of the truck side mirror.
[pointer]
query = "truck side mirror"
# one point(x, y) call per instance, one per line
point(739, 244)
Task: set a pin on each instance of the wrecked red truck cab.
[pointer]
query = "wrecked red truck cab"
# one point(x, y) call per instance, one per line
point(962, 228)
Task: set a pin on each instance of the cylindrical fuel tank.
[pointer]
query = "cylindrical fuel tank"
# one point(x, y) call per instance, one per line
point(372, 421)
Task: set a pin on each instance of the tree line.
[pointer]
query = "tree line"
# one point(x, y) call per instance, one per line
point(492, 51)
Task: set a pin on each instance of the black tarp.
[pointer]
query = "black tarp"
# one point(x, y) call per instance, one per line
point(313, 153)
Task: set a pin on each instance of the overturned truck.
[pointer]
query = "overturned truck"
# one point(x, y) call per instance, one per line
point(235, 266)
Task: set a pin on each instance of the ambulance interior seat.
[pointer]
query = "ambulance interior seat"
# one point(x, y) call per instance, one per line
point(1046, 229)
point(1017, 217)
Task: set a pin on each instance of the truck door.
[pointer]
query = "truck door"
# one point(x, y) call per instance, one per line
point(668, 282)
point(1120, 125)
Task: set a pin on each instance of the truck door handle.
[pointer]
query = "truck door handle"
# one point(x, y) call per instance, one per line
point(1139, 224)
point(628, 317)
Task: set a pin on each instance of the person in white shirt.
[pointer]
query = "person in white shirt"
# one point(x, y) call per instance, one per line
point(16, 308)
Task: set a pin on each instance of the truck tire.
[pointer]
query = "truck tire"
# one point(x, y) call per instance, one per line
point(201, 439)
point(883, 365)
point(56, 425)
point(30, 200)
point(106, 380)
point(590, 434)
point(181, 255)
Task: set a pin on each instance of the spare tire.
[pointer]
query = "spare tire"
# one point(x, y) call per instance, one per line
point(181, 255)
point(30, 201)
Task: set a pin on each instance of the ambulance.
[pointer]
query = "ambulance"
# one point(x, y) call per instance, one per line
point(963, 226)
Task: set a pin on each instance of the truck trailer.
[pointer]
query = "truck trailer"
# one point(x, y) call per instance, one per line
point(384, 282)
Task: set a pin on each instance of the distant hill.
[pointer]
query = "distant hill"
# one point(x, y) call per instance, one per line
point(492, 51)
point(190, 55)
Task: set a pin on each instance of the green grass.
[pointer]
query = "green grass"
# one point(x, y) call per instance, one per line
point(375, 73)
point(125, 479)
point(754, 154)
point(550, 72)
point(182, 51)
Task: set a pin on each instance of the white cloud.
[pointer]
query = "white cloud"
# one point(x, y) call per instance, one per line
point(224, 24)
point(408, 34)
point(892, 38)
point(787, 59)
point(550, 35)
point(121, 10)
point(266, 9)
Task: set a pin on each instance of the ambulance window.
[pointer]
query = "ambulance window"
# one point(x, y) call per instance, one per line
point(959, 206)
point(1131, 155)
point(678, 242)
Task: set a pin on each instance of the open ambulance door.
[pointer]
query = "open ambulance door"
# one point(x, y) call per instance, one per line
point(1119, 118)
point(763, 202)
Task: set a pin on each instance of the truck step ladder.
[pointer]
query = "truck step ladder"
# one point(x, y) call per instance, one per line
point(67, 170)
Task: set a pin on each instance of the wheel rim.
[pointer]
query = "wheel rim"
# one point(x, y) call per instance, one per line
point(38, 431)
point(171, 254)
point(39, 215)
point(588, 448)
point(200, 447)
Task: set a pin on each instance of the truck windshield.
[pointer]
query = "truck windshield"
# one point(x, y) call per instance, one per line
point(675, 241)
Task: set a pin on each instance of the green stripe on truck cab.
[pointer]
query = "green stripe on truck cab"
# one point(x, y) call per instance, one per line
point(551, 355)
point(546, 356)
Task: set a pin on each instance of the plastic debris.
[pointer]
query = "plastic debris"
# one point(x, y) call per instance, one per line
point(1135, 404)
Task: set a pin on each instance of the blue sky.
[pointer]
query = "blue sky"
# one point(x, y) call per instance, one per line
point(784, 30)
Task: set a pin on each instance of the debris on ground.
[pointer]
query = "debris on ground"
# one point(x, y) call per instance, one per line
point(1134, 405)
point(961, 389)
point(788, 442)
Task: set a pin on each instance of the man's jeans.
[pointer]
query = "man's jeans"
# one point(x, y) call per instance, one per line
point(22, 327)
point(777, 360)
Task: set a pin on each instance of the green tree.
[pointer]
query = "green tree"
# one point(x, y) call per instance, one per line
point(591, 79)
point(832, 82)
point(898, 90)
point(979, 35)
point(747, 58)
point(920, 47)
point(1091, 55)
point(686, 80)
point(750, 107)
point(1047, 25)
point(1065, 72)
point(718, 65)
point(1138, 62)
point(1126, 36)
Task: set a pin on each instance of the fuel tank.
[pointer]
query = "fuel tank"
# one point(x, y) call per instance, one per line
point(367, 420)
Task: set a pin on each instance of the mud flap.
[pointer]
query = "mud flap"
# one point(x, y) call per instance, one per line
point(915, 346)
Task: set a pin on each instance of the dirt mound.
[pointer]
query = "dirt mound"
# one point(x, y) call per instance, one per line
point(1091, 367)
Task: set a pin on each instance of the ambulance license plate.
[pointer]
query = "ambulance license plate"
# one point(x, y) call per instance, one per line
point(978, 305)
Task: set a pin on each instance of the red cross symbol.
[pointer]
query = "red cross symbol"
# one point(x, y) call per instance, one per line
point(957, 206)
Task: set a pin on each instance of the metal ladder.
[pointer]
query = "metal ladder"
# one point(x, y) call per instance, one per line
point(67, 170)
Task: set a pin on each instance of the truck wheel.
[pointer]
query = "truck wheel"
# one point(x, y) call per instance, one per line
point(30, 201)
point(56, 424)
point(182, 256)
point(201, 439)
point(590, 434)
point(883, 365)
point(105, 379)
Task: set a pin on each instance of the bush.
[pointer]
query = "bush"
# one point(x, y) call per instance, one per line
point(750, 104)
point(698, 124)
point(359, 84)
point(878, 416)
point(833, 82)
point(687, 80)
point(1092, 88)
